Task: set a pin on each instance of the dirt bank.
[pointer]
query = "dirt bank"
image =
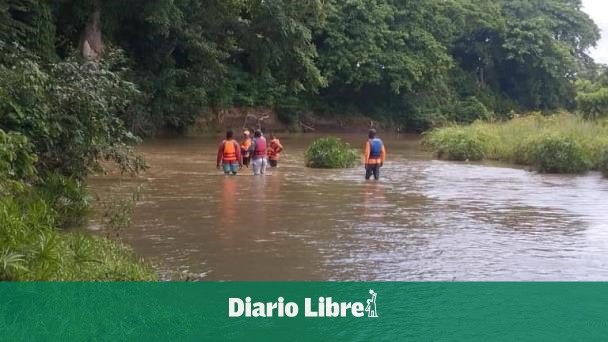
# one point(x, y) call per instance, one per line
point(267, 119)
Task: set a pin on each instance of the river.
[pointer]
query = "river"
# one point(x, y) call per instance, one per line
point(425, 220)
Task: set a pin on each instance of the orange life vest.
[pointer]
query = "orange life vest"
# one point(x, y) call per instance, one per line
point(245, 144)
point(274, 150)
point(230, 147)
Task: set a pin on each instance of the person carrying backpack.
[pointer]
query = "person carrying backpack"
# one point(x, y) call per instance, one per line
point(229, 154)
point(374, 155)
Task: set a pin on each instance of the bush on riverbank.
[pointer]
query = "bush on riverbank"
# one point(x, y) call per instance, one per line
point(593, 104)
point(69, 111)
point(562, 143)
point(331, 153)
point(67, 197)
point(551, 153)
point(32, 208)
point(457, 143)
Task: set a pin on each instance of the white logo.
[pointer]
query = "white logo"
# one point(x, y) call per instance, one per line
point(371, 305)
point(321, 307)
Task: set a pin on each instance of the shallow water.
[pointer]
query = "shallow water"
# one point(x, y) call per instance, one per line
point(425, 219)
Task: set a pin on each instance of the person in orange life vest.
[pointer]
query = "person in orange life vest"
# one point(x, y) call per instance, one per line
point(374, 155)
point(245, 145)
point(258, 153)
point(274, 151)
point(229, 154)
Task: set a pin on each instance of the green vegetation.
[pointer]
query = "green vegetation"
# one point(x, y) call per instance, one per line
point(554, 153)
point(603, 164)
point(70, 111)
point(331, 153)
point(592, 98)
point(457, 143)
point(594, 104)
point(31, 245)
point(562, 143)
point(58, 122)
point(67, 197)
point(32, 249)
point(415, 64)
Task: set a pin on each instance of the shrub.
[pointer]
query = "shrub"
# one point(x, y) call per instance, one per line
point(117, 210)
point(70, 111)
point(331, 153)
point(16, 157)
point(16, 162)
point(31, 249)
point(555, 154)
point(469, 110)
point(593, 104)
point(456, 143)
point(32, 207)
point(67, 197)
point(63, 120)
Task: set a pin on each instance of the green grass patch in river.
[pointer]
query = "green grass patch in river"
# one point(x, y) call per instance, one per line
point(331, 153)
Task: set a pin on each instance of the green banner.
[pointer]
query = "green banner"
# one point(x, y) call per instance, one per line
point(301, 311)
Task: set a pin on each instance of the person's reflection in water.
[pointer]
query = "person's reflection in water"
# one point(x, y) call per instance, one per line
point(228, 205)
point(374, 202)
point(273, 188)
point(257, 211)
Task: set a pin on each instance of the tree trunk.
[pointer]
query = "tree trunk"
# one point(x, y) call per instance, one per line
point(91, 43)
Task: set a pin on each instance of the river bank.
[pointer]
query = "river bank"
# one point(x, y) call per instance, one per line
point(561, 143)
point(271, 121)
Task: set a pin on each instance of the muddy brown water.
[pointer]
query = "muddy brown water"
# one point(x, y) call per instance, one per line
point(425, 219)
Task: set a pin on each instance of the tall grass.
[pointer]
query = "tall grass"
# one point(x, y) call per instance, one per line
point(561, 143)
point(32, 249)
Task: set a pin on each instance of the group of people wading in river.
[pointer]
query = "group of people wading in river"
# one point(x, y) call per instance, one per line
point(258, 153)
point(255, 151)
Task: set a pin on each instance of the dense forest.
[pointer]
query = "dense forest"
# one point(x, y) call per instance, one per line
point(415, 63)
point(80, 80)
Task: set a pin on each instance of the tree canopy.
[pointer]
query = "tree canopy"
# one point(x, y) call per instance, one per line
point(411, 62)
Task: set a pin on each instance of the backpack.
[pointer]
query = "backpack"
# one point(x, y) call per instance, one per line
point(375, 150)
